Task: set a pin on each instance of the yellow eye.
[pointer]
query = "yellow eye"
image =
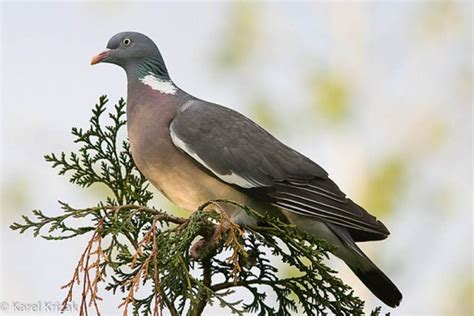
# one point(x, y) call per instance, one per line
point(126, 42)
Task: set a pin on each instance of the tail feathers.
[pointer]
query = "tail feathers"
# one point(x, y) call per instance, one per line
point(375, 280)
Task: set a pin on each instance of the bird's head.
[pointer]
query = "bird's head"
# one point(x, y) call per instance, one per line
point(131, 50)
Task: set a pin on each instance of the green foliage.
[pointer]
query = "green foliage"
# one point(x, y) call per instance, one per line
point(151, 258)
point(102, 160)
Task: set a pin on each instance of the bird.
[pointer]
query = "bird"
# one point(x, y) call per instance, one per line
point(194, 151)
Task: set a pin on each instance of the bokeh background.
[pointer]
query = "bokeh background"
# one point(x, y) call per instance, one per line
point(378, 93)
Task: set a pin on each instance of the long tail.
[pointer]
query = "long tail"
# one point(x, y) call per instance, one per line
point(375, 280)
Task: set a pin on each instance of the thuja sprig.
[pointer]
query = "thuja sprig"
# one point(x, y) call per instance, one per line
point(151, 258)
point(103, 159)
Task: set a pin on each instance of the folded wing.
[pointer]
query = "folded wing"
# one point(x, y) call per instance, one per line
point(241, 153)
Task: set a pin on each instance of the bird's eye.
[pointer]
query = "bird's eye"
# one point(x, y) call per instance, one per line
point(126, 42)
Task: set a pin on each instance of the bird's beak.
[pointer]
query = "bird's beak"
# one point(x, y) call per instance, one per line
point(100, 57)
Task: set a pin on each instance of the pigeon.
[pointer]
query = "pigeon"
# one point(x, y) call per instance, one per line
point(195, 151)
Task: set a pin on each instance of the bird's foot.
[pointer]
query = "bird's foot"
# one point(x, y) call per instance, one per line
point(206, 246)
point(199, 249)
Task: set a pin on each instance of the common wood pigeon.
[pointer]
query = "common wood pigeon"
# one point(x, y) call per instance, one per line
point(194, 151)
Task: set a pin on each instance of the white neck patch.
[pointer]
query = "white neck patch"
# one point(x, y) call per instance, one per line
point(163, 86)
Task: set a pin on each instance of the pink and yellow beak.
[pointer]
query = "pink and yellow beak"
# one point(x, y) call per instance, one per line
point(100, 57)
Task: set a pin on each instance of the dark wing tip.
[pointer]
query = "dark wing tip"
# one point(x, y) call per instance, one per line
point(379, 230)
point(383, 229)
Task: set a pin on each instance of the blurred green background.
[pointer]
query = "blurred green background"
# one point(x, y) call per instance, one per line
point(378, 93)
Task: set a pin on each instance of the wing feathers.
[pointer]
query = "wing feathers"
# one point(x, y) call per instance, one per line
point(311, 199)
point(242, 154)
point(319, 191)
point(321, 184)
point(329, 212)
point(303, 211)
point(311, 202)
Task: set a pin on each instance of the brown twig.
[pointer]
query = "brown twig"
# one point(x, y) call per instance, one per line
point(135, 281)
point(149, 237)
point(83, 266)
point(94, 247)
point(226, 225)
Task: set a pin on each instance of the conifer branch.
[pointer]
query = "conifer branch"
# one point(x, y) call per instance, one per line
point(151, 258)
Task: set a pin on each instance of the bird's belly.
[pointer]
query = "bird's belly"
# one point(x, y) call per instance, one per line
point(180, 179)
point(186, 190)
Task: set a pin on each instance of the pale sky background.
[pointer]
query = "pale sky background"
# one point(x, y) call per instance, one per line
point(378, 93)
